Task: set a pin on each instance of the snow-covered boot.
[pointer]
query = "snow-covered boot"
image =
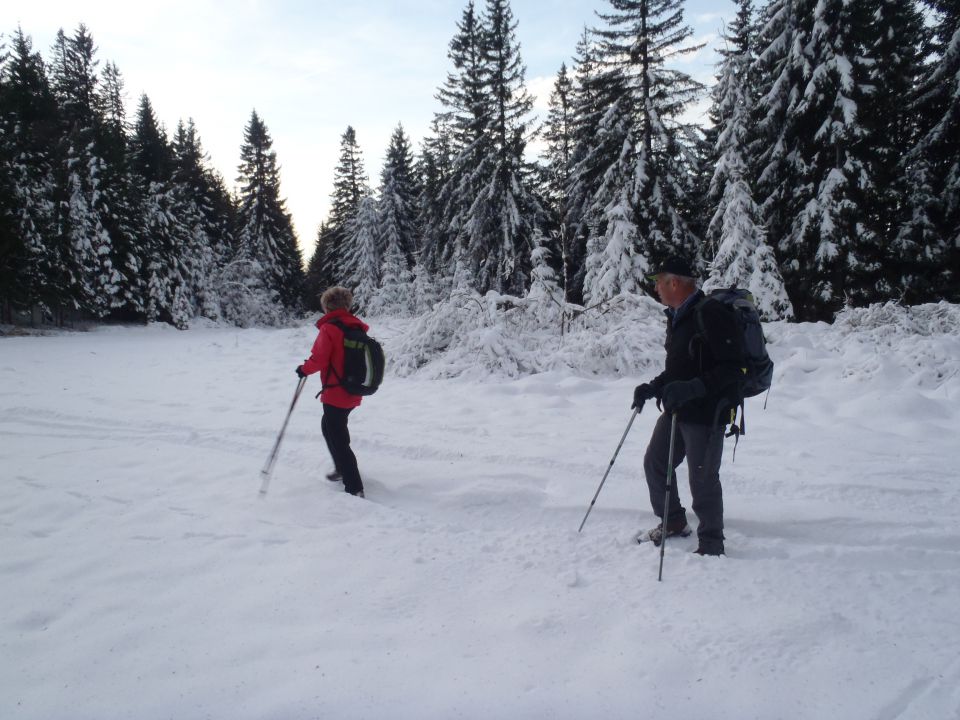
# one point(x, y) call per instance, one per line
point(675, 528)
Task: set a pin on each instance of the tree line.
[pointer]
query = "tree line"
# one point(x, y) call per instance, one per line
point(828, 176)
point(104, 216)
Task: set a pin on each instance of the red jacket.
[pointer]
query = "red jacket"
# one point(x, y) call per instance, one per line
point(327, 352)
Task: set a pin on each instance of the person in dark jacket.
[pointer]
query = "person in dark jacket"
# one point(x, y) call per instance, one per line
point(700, 383)
point(326, 357)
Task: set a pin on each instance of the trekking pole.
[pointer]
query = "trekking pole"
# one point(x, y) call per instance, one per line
point(666, 500)
point(610, 466)
point(268, 467)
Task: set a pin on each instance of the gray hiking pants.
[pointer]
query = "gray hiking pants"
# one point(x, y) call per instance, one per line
point(702, 446)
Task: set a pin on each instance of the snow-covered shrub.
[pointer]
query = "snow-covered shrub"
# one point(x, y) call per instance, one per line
point(245, 299)
point(923, 340)
point(502, 335)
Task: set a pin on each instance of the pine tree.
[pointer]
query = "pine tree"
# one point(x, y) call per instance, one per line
point(350, 186)
point(363, 260)
point(433, 169)
point(841, 253)
point(119, 188)
point(209, 241)
point(639, 37)
point(395, 297)
point(266, 233)
point(29, 258)
point(462, 132)
point(895, 37)
point(162, 222)
point(559, 137)
point(543, 279)
point(740, 255)
point(85, 241)
point(782, 73)
point(489, 208)
point(398, 194)
point(499, 224)
point(597, 144)
point(614, 262)
point(934, 227)
point(319, 274)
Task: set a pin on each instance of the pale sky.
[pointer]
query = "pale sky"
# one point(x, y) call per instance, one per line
point(310, 69)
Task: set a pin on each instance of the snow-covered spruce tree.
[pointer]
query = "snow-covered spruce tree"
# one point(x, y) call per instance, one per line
point(350, 185)
point(735, 234)
point(830, 233)
point(594, 149)
point(162, 220)
point(396, 295)
point(558, 134)
point(265, 230)
point(489, 208)
point(639, 37)
point(894, 37)
point(88, 247)
point(934, 165)
point(362, 257)
point(545, 295)
point(460, 130)
point(317, 278)
point(813, 154)
point(206, 218)
point(397, 198)
point(613, 263)
point(732, 99)
point(396, 228)
point(29, 259)
point(425, 289)
point(118, 186)
point(499, 224)
point(433, 168)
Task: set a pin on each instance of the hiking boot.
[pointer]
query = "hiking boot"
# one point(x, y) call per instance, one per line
point(675, 528)
point(358, 493)
point(710, 550)
point(334, 476)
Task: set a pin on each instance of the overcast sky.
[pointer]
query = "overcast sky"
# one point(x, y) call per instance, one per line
point(312, 68)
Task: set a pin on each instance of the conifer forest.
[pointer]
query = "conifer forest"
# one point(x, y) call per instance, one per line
point(827, 176)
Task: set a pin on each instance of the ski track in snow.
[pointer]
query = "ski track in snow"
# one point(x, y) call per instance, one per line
point(144, 576)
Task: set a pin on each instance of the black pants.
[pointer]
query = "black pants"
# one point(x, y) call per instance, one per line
point(702, 446)
point(335, 432)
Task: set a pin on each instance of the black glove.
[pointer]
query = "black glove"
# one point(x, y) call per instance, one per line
point(300, 373)
point(680, 392)
point(641, 394)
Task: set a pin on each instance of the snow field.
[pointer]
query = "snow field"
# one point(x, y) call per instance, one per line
point(144, 576)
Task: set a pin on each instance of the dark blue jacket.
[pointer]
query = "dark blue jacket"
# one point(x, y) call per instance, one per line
point(716, 359)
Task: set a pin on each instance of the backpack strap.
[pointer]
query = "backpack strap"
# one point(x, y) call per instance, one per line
point(330, 367)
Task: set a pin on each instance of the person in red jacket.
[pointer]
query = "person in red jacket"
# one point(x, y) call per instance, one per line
point(326, 357)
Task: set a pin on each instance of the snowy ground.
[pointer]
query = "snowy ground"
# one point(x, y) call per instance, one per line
point(143, 576)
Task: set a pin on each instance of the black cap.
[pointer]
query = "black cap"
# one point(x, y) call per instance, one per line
point(674, 265)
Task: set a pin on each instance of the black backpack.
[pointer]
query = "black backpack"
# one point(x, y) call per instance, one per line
point(363, 362)
point(758, 373)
